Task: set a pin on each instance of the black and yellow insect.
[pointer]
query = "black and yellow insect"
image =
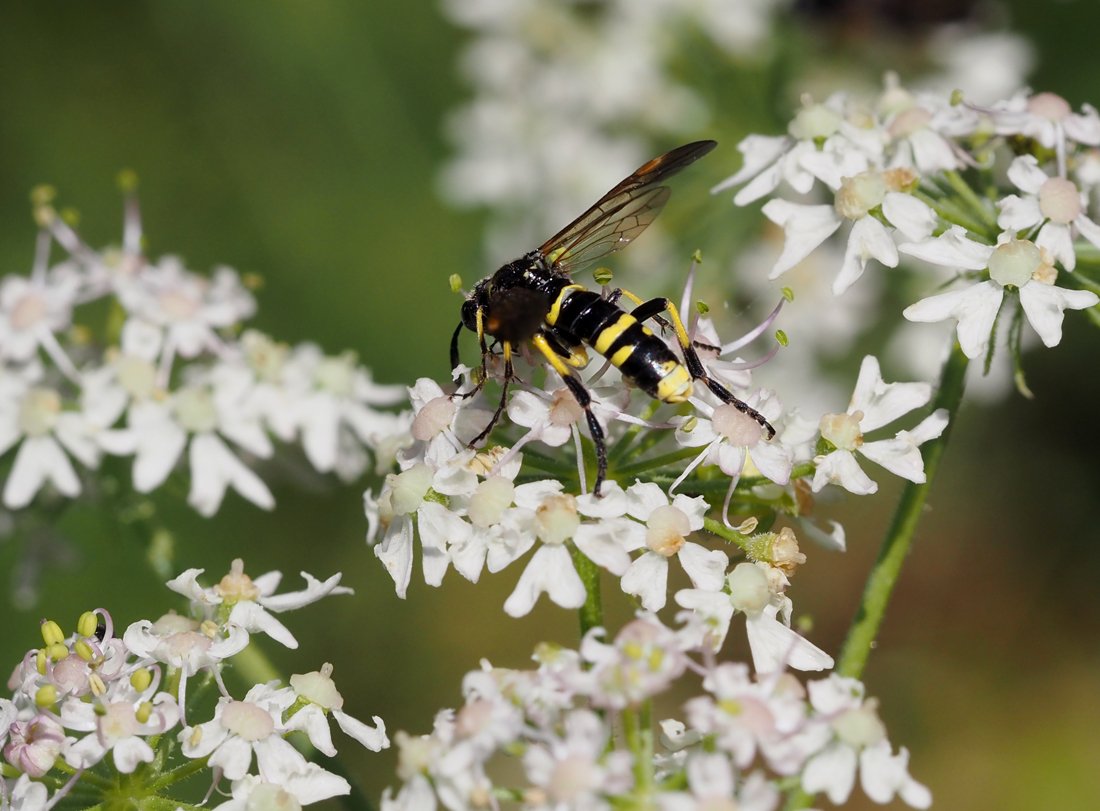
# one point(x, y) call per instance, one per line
point(534, 301)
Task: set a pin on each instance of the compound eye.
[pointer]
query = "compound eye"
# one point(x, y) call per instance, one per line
point(469, 314)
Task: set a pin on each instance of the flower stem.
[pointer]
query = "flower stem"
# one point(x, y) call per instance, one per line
point(725, 533)
point(977, 205)
point(895, 545)
point(899, 537)
point(657, 461)
point(591, 613)
point(644, 773)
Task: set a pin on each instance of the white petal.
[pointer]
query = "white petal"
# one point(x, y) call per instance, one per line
point(1089, 230)
point(253, 617)
point(647, 579)
point(775, 647)
point(713, 606)
point(213, 468)
point(611, 503)
point(528, 410)
point(1025, 174)
point(374, 738)
point(130, 752)
point(532, 495)
point(314, 784)
point(694, 507)
point(833, 539)
point(1044, 304)
point(841, 467)
point(643, 498)
point(831, 166)
point(804, 228)
point(85, 753)
point(932, 152)
point(320, 422)
point(277, 759)
point(159, 448)
point(250, 435)
point(951, 249)
point(234, 757)
point(438, 527)
point(315, 589)
point(758, 152)
point(312, 721)
point(909, 215)
point(710, 775)
point(40, 459)
point(868, 238)
point(833, 770)
point(898, 455)
point(974, 307)
point(603, 544)
point(882, 402)
point(705, 567)
point(1057, 239)
point(76, 435)
point(930, 427)
point(883, 775)
point(396, 553)
point(760, 186)
point(1018, 213)
point(774, 460)
point(551, 570)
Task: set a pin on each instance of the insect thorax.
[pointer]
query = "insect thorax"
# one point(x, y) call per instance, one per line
point(519, 295)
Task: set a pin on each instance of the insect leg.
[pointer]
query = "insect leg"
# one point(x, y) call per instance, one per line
point(455, 359)
point(619, 292)
point(503, 394)
point(694, 364)
point(583, 398)
point(484, 355)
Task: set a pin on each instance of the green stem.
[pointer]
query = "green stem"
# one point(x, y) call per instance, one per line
point(899, 537)
point(547, 465)
point(253, 666)
point(181, 772)
point(658, 461)
point(978, 205)
point(591, 613)
point(724, 532)
point(950, 212)
point(643, 770)
point(896, 543)
point(619, 449)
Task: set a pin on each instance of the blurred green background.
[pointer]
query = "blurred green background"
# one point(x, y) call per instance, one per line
point(302, 141)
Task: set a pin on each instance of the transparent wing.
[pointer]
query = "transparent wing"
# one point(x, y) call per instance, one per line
point(621, 214)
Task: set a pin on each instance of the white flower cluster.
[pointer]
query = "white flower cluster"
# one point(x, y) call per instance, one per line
point(485, 510)
point(563, 90)
point(561, 721)
point(105, 705)
point(924, 175)
point(170, 378)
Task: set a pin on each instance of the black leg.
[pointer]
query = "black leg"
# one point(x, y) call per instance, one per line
point(584, 400)
point(503, 397)
point(594, 428)
point(692, 361)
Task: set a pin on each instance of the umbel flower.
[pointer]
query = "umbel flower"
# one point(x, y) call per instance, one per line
point(171, 378)
point(744, 733)
point(88, 708)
